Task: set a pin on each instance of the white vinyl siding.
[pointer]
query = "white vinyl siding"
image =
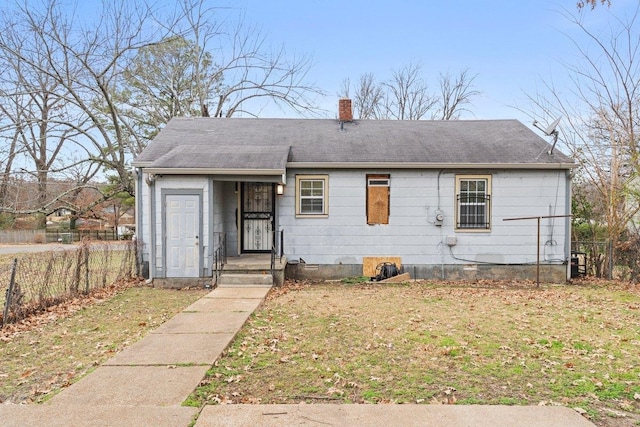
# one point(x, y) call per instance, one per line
point(345, 237)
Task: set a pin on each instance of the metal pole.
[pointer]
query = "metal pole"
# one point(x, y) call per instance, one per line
point(86, 269)
point(610, 260)
point(538, 249)
point(9, 295)
point(538, 258)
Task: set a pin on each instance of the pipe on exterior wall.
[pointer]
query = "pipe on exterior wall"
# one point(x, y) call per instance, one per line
point(152, 231)
point(139, 217)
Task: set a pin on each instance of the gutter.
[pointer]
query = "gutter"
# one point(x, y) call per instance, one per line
point(409, 165)
point(214, 171)
point(355, 165)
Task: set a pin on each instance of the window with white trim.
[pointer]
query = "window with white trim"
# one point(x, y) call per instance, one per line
point(473, 202)
point(312, 195)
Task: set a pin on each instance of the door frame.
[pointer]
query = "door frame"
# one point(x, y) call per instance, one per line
point(242, 219)
point(182, 192)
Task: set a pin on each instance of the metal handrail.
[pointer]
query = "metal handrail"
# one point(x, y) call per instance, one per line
point(281, 244)
point(273, 264)
point(220, 255)
point(277, 250)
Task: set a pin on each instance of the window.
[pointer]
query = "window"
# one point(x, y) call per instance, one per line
point(311, 192)
point(377, 199)
point(473, 202)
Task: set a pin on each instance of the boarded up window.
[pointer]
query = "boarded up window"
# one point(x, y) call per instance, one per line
point(377, 199)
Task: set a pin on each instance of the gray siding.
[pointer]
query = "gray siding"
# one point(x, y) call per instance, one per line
point(217, 227)
point(344, 237)
point(229, 216)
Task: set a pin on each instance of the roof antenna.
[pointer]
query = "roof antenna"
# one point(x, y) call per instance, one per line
point(550, 130)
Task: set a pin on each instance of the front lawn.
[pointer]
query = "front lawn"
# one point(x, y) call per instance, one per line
point(573, 345)
point(47, 352)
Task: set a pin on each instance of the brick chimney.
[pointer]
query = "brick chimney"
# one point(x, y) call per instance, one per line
point(344, 110)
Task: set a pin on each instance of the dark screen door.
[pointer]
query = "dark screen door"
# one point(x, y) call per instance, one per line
point(258, 201)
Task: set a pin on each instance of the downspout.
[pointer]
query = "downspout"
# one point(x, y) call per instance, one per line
point(442, 274)
point(137, 172)
point(567, 224)
point(213, 201)
point(152, 225)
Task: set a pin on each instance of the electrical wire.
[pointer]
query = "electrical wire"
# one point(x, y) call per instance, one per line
point(498, 263)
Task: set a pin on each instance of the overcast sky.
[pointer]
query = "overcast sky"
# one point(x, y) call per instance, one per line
point(511, 45)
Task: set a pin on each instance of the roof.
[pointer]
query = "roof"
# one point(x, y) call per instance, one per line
point(207, 145)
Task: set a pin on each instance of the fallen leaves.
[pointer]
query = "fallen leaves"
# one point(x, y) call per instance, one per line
point(27, 373)
point(508, 342)
point(47, 352)
point(62, 310)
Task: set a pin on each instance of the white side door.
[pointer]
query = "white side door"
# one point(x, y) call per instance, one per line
point(182, 228)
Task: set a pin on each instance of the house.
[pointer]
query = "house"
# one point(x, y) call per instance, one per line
point(337, 196)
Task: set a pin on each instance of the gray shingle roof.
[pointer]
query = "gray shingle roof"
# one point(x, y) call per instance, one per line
point(224, 157)
point(242, 143)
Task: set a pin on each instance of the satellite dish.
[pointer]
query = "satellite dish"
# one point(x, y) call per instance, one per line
point(550, 130)
point(552, 127)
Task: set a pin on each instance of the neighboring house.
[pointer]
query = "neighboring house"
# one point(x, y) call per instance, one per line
point(430, 195)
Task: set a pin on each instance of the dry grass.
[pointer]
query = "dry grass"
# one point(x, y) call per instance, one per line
point(47, 278)
point(44, 353)
point(572, 345)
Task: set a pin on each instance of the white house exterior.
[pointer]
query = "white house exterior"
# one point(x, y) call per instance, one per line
point(433, 195)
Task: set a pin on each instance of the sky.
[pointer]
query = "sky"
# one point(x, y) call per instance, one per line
point(511, 46)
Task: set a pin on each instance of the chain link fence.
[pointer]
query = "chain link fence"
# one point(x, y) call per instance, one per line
point(35, 281)
point(602, 260)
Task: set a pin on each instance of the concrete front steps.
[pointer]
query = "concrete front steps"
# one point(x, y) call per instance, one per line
point(245, 279)
point(252, 270)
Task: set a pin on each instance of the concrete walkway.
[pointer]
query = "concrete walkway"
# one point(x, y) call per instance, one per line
point(146, 383)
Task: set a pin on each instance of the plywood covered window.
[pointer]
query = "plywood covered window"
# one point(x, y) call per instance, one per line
point(378, 195)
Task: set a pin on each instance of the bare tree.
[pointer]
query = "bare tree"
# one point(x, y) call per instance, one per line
point(34, 110)
point(74, 86)
point(406, 96)
point(212, 66)
point(455, 94)
point(600, 116)
point(165, 80)
point(9, 135)
point(67, 74)
point(593, 3)
point(203, 28)
point(251, 71)
point(368, 97)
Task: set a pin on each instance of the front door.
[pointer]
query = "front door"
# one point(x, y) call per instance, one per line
point(258, 202)
point(182, 227)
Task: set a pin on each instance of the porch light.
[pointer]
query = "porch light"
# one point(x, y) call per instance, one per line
point(280, 189)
